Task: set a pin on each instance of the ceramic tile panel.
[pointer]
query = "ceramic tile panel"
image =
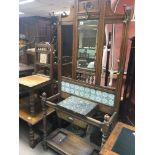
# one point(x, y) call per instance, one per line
point(88, 93)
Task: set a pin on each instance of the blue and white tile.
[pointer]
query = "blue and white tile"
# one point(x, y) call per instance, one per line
point(87, 95)
point(77, 92)
point(66, 89)
point(111, 102)
point(72, 86)
point(104, 94)
point(104, 100)
point(92, 97)
point(98, 93)
point(72, 91)
point(62, 88)
point(67, 84)
point(98, 99)
point(92, 91)
point(63, 83)
point(77, 87)
point(87, 90)
point(81, 93)
point(111, 96)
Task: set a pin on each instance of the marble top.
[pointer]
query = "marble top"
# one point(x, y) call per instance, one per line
point(78, 105)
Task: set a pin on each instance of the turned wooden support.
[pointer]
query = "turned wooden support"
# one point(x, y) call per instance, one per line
point(107, 124)
point(31, 136)
point(105, 129)
point(43, 102)
point(32, 103)
point(92, 80)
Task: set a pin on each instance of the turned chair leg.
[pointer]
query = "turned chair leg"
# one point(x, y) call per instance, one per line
point(88, 130)
point(104, 138)
point(43, 101)
point(105, 129)
point(31, 136)
point(32, 108)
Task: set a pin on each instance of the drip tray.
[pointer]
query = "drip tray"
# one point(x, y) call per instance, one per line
point(65, 142)
point(60, 137)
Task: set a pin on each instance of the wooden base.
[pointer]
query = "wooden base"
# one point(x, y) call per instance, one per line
point(66, 143)
point(24, 115)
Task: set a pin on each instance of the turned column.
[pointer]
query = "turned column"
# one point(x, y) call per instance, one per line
point(32, 104)
point(105, 129)
point(31, 136)
point(43, 102)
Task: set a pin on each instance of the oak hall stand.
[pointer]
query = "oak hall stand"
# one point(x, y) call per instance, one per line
point(84, 95)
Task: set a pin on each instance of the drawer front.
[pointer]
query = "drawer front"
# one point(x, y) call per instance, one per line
point(71, 119)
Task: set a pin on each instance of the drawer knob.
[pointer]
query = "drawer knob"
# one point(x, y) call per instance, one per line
point(70, 118)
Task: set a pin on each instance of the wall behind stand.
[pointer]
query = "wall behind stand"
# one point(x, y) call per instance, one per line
point(67, 45)
point(120, 9)
point(67, 38)
point(35, 27)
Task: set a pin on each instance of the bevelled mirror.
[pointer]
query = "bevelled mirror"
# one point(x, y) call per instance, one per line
point(87, 44)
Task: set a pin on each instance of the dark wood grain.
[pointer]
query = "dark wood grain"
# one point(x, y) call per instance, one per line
point(25, 70)
point(72, 145)
point(24, 115)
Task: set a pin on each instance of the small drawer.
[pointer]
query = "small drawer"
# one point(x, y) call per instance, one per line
point(71, 119)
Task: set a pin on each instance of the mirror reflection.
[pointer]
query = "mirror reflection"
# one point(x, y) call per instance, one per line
point(87, 31)
point(111, 54)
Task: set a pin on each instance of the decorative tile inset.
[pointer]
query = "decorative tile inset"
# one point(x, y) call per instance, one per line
point(77, 92)
point(92, 97)
point(87, 90)
point(92, 91)
point(98, 93)
point(78, 105)
point(88, 93)
point(82, 93)
point(98, 99)
point(111, 96)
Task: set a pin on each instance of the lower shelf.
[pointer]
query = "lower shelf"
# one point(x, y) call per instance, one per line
point(67, 143)
point(23, 114)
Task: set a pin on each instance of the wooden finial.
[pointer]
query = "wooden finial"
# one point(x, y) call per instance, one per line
point(44, 94)
point(106, 117)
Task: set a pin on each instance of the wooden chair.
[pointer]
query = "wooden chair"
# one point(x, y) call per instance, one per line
point(30, 106)
point(43, 61)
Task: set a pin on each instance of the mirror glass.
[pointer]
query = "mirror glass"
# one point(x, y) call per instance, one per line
point(87, 44)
